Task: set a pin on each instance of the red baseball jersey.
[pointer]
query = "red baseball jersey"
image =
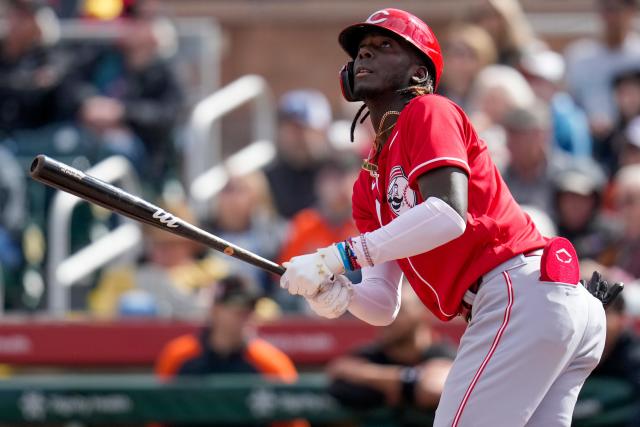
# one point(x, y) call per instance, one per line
point(433, 132)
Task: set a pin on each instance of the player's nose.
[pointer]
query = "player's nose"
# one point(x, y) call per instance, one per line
point(364, 52)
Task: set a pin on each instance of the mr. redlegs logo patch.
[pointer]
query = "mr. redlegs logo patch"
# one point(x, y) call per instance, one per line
point(399, 195)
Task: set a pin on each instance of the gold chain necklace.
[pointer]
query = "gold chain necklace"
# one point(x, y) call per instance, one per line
point(382, 120)
point(367, 164)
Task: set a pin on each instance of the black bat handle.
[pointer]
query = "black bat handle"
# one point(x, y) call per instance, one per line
point(66, 178)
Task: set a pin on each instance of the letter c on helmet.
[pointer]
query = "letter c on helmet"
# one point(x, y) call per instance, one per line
point(373, 20)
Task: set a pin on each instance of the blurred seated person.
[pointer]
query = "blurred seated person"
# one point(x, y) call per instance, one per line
point(329, 219)
point(621, 357)
point(630, 151)
point(13, 213)
point(404, 367)
point(242, 213)
point(507, 24)
point(578, 203)
point(544, 69)
point(173, 271)
point(304, 117)
point(531, 160)
point(496, 90)
point(228, 343)
point(626, 91)
point(592, 62)
point(132, 98)
point(468, 49)
point(621, 261)
point(33, 76)
point(627, 188)
point(543, 222)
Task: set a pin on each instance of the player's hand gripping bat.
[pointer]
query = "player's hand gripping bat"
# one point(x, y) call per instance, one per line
point(71, 180)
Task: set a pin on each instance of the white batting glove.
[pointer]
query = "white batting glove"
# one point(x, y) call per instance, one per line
point(305, 274)
point(334, 298)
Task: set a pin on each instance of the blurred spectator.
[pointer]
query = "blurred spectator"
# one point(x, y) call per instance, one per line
point(404, 367)
point(329, 220)
point(531, 164)
point(577, 197)
point(172, 271)
point(544, 70)
point(33, 76)
point(133, 100)
point(610, 150)
point(242, 213)
point(630, 152)
point(304, 117)
point(12, 192)
point(227, 344)
point(621, 357)
point(468, 49)
point(507, 24)
point(592, 63)
point(13, 215)
point(627, 252)
point(621, 261)
point(497, 90)
point(541, 220)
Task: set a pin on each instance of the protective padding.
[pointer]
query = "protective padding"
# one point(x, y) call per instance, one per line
point(559, 262)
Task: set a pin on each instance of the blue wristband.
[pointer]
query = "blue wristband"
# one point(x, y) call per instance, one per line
point(343, 256)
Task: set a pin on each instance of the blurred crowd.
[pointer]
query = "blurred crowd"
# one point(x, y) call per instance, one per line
point(563, 127)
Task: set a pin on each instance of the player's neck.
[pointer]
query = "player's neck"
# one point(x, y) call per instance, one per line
point(379, 106)
point(223, 342)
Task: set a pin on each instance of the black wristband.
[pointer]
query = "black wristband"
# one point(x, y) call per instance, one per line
point(408, 379)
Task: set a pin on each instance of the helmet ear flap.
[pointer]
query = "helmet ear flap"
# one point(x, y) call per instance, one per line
point(346, 82)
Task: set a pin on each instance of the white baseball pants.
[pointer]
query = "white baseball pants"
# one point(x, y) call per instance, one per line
point(526, 353)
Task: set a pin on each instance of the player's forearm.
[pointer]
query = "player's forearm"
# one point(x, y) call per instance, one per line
point(385, 379)
point(376, 299)
point(421, 229)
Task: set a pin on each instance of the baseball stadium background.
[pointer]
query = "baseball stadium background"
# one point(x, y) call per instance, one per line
point(229, 114)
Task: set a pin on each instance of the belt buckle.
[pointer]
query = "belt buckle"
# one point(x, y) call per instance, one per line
point(465, 312)
point(467, 301)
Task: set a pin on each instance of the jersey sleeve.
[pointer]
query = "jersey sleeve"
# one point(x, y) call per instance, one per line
point(175, 354)
point(435, 136)
point(363, 206)
point(270, 361)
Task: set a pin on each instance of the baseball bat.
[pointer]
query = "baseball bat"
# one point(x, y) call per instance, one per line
point(66, 178)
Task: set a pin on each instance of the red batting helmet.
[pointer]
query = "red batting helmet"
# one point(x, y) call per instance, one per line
point(403, 24)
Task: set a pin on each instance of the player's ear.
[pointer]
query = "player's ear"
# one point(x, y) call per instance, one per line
point(420, 75)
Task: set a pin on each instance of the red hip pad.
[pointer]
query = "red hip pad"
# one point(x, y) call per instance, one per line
point(559, 262)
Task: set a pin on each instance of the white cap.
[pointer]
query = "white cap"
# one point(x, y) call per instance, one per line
point(545, 64)
point(306, 106)
point(632, 132)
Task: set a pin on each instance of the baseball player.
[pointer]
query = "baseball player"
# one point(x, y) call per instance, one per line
point(431, 205)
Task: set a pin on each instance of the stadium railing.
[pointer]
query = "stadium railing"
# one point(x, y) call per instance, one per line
point(64, 269)
point(206, 172)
